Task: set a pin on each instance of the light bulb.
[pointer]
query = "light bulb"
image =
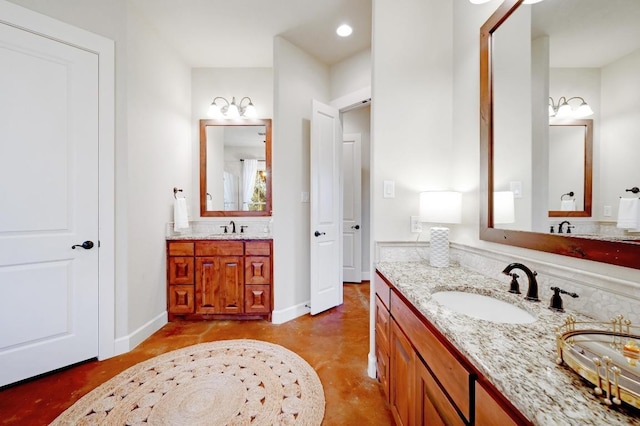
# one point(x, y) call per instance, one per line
point(584, 110)
point(214, 111)
point(250, 111)
point(344, 30)
point(564, 111)
point(232, 111)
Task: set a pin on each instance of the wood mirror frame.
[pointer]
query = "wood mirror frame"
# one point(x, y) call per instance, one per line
point(600, 250)
point(588, 165)
point(266, 122)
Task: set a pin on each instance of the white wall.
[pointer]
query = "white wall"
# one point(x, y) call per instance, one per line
point(298, 78)
point(351, 74)
point(159, 158)
point(412, 95)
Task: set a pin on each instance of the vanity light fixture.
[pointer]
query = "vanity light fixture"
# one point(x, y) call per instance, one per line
point(232, 110)
point(344, 30)
point(563, 110)
point(487, 1)
point(440, 207)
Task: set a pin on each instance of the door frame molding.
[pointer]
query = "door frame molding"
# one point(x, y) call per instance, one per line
point(37, 23)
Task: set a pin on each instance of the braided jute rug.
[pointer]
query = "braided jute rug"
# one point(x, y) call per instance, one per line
point(230, 382)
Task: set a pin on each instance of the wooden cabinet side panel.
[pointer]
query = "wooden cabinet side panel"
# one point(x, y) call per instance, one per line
point(402, 377)
point(432, 405)
point(257, 270)
point(231, 282)
point(443, 364)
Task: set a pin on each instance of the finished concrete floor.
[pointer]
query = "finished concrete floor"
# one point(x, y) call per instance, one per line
point(335, 343)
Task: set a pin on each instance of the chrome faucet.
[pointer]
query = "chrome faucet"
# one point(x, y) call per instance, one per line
point(562, 224)
point(233, 227)
point(532, 291)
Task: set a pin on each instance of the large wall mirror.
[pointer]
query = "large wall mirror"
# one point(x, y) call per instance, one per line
point(235, 168)
point(529, 53)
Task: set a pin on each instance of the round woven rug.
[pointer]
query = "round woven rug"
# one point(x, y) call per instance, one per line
point(230, 382)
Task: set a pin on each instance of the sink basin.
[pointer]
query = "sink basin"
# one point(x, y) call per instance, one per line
point(482, 307)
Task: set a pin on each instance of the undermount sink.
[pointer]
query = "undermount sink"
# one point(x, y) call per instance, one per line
point(482, 307)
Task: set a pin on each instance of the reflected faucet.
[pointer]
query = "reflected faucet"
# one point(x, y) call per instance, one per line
point(532, 291)
point(233, 227)
point(562, 224)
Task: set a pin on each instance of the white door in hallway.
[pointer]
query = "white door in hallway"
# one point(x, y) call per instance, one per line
point(326, 208)
point(48, 203)
point(352, 208)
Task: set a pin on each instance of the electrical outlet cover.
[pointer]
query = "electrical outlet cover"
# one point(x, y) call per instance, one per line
point(416, 225)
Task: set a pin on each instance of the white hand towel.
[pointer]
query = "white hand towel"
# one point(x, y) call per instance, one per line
point(209, 204)
point(629, 213)
point(568, 205)
point(180, 214)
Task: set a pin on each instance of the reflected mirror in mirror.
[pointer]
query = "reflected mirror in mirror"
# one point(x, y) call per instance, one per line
point(529, 53)
point(235, 168)
point(570, 165)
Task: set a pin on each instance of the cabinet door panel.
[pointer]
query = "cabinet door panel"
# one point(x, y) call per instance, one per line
point(432, 405)
point(257, 270)
point(181, 299)
point(402, 377)
point(382, 369)
point(181, 270)
point(257, 299)
point(207, 270)
point(231, 282)
point(382, 325)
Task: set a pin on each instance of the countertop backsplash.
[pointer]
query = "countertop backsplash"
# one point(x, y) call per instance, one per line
point(600, 297)
point(258, 227)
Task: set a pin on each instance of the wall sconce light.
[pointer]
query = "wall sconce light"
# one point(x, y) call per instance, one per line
point(504, 210)
point(563, 110)
point(232, 110)
point(440, 207)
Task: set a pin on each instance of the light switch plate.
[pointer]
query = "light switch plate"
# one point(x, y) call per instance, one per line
point(416, 225)
point(516, 188)
point(389, 189)
point(304, 197)
point(606, 211)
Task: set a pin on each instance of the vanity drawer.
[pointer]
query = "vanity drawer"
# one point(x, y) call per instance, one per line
point(219, 248)
point(180, 248)
point(181, 270)
point(382, 289)
point(444, 365)
point(181, 299)
point(257, 248)
point(257, 299)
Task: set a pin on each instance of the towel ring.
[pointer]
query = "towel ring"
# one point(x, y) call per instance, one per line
point(570, 194)
point(175, 192)
point(209, 197)
point(634, 190)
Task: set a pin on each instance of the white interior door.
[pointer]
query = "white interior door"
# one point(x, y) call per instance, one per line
point(49, 193)
point(352, 208)
point(326, 208)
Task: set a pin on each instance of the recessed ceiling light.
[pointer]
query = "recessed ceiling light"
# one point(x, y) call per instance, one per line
point(344, 30)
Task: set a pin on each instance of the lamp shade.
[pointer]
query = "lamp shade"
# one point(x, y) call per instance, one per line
point(503, 207)
point(441, 207)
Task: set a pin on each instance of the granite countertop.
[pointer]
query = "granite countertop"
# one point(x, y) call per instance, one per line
point(519, 359)
point(227, 236)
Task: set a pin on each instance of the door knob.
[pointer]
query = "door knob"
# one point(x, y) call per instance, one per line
point(86, 245)
point(355, 227)
point(318, 233)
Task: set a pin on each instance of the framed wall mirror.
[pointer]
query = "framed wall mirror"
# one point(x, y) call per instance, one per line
point(235, 168)
point(570, 167)
point(521, 52)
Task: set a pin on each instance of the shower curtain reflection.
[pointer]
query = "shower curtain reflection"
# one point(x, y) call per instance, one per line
point(249, 170)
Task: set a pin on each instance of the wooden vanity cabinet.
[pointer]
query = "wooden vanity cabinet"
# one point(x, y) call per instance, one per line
point(217, 279)
point(429, 382)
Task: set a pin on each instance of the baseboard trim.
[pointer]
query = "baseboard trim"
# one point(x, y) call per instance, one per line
point(291, 313)
point(126, 343)
point(371, 366)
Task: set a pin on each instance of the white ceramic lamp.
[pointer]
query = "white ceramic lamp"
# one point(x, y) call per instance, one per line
point(503, 207)
point(440, 207)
